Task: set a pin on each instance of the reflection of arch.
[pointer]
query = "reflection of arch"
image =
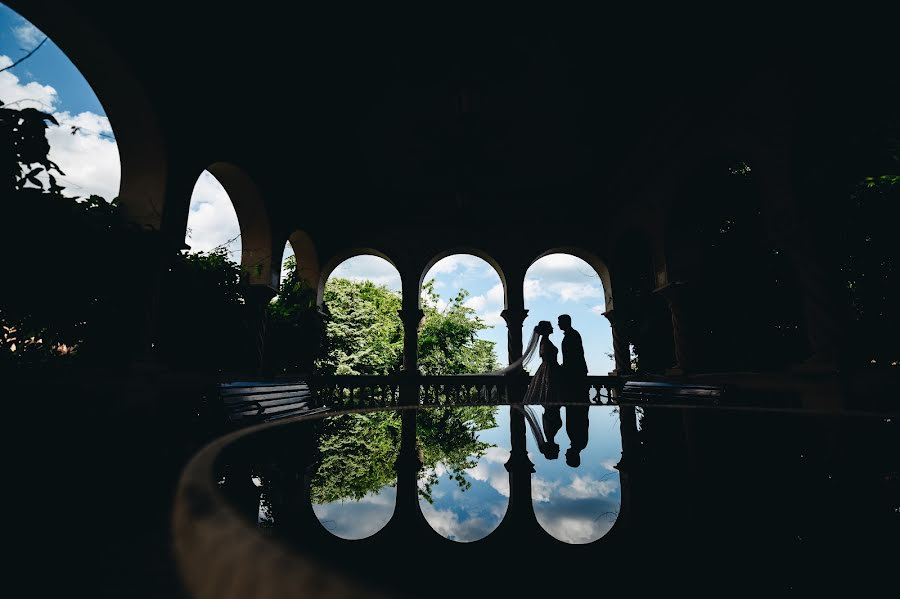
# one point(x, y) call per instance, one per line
point(256, 233)
point(594, 261)
point(471, 252)
point(340, 258)
point(306, 256)
point(138, 138)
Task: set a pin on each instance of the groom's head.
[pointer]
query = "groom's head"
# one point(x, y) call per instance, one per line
point(565, 322)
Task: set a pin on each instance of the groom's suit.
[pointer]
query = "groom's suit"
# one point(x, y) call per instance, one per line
point(574, 368)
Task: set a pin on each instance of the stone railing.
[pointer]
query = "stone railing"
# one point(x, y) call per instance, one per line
point(364, 391)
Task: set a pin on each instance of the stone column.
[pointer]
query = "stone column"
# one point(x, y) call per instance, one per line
point(258, 298)
point(408, 465)
point(520, 468)
point(621, 351)
point(514, 318)
point(411, 317)
point(684, 327)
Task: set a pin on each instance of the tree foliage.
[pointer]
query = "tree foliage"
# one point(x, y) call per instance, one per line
point(364, 335)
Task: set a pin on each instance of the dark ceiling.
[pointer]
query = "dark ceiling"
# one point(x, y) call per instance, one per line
point(454, 108)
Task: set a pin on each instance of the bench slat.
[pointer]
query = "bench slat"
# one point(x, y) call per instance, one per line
point(265, 396)
point(266, 413)
point(266, 389)
point(243, 407)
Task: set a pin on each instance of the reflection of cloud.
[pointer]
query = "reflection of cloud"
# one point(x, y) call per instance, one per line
point(448, 524)
point(587, 487)
point(541, 489)
point(576, 529)
point(496, 454)
point(493, 473)
point(358, 519)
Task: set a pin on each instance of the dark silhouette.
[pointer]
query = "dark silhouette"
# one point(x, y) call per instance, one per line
point(574, 367)
point(577, 429)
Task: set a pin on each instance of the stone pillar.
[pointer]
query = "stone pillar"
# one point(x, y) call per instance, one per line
point(408, 465)
point(411, 317)
point(621, 351)
point(258, 298)
point(520, 468)
point(514, 318)
point(684, 327)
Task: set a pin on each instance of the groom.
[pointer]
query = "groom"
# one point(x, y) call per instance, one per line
point(574, 366)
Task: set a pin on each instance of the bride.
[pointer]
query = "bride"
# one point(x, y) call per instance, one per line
point(545, 384)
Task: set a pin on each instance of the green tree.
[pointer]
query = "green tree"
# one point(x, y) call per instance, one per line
point(448, 342)
point(364, 335)
point(295, 331)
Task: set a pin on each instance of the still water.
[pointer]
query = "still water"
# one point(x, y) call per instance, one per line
point(463, 485)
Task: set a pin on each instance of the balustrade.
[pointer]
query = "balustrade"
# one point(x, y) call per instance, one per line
point(369, 391)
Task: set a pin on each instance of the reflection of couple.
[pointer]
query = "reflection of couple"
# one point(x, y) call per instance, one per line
point(554, 383)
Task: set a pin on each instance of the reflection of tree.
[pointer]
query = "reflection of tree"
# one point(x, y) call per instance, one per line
point(358, 451)
point(357, 456)
point(447, 436)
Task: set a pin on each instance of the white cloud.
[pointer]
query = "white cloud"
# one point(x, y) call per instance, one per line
point(564, 278)
point(587, 488)
point(369, 268)
point(89, 157)
point(27, 95)
point(212, 220)
point(28, 35)
point(88, 154)
point(463, 265)
point(598, 309)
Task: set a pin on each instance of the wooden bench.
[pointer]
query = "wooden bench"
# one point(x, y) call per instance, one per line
point(671, 393)
point(247, 402)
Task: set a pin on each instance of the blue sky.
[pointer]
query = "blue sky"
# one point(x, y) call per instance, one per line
point(50, 82)
point(575, 505)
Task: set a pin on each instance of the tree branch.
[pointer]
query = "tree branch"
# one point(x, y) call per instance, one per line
point(33, 50)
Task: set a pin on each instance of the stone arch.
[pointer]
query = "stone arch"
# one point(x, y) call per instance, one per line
point(307, 257)
point(259, 262)
point(471, 251)
point(142, 186)
point(342, 256)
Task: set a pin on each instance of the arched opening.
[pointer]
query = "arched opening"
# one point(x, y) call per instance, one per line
point(359, 293)
point(467, 287)
point(574, 282)
point(353, 490)
point(577, 499)
point(463, 485)
point(360, 297)
point(295, 329)
point(59, 173)
point(745, 307)
point(212, 225)
point(52, 80)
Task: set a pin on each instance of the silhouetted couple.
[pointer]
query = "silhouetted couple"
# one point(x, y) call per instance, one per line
point(555, 383)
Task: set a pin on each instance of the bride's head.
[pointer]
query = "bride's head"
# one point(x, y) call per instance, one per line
point(544, 328)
